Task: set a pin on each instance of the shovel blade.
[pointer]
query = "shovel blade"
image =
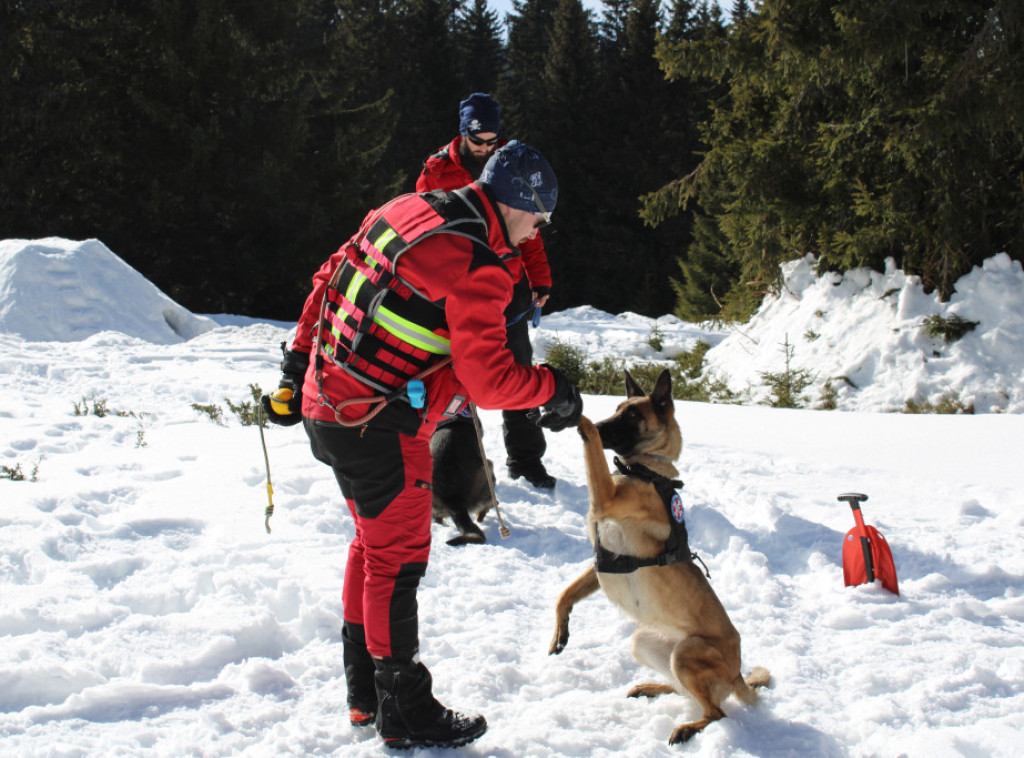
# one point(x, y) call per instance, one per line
point(867, 557)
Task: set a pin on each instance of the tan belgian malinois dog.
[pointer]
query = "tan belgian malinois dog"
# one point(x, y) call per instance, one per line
point(644, 564)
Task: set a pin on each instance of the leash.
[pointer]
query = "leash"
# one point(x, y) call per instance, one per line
point(502, 529)
point(378, 403)
point(266, 460)
point(535, 319)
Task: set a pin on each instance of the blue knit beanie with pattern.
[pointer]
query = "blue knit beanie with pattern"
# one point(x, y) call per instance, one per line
point(519, 176)
point(479, 113)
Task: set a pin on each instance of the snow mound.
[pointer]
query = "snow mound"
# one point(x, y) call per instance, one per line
point(863, 332)
point(59, 290)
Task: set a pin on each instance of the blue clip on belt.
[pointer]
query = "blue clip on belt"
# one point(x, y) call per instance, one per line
point(417, 393)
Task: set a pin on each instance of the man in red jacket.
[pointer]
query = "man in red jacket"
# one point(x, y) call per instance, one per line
point(455, 165)
point(404, 325)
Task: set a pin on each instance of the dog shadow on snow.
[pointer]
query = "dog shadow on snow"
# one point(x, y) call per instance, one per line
point(765, 738)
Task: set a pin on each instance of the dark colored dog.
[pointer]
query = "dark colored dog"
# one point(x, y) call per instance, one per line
point(461, 489)
point(645, 565)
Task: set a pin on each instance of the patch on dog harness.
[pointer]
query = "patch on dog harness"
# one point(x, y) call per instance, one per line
point(677, 548)
point(676, 508)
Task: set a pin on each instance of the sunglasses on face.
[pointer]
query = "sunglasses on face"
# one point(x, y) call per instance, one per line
point(478, 142)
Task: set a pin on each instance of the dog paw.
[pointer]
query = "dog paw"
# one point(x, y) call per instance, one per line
point(558, 644)
point(469, 538)
point(682, 734)
point(649, 689)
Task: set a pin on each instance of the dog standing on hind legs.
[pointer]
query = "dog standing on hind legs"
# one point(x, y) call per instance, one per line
point(644, 564)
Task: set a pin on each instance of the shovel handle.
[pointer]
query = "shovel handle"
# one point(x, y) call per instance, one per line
point(855, 499)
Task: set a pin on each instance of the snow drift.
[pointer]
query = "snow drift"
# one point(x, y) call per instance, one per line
point(864, 332)
point(58, 290)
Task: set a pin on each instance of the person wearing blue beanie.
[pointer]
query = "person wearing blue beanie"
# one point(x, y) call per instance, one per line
point(405, 324)
point(479, 113)
point(457, 164)
point(520, 177)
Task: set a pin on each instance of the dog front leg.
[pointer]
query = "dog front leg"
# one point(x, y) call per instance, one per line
point(599, 477)
point(583, 587)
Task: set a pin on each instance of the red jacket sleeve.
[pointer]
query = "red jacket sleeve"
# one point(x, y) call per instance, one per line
point(482, 362)
point(476, 296)
point(535, 261)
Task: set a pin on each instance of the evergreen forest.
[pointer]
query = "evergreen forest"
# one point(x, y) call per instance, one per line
point(226, 149)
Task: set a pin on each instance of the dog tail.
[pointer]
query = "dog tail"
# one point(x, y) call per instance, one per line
point(759, 677)
point(745, 688)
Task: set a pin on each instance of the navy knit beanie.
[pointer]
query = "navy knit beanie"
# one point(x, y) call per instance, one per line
point(479, 113)
point(519, 176)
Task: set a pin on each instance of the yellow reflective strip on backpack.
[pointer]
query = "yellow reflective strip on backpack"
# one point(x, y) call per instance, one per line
point(353, 286)
point(382, 241)
point(409, 332)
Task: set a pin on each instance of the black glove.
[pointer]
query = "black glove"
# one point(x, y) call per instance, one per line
point(541, 291)
point(284, 407)
point(565, 406)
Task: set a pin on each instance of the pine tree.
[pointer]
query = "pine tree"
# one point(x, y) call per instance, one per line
point(529, 37)
point(563, 129)
point(56, 125)
point(690, 52)
point(641, 141)
point(188, 139)
point(223, 118)
point(428, 84)
point(478, 34)
point(928, 148)
point(612, 26)
point(739, 11)
point(858, 132)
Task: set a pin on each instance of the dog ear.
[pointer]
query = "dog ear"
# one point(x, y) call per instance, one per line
point(661, 396)
point(632, 388)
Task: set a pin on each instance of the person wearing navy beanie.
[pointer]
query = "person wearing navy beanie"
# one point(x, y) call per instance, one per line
point(405, 324)
point(520, 177)
point(453, 166)
point(479, 113)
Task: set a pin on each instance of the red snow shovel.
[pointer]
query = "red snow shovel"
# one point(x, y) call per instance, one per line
point(866, 554)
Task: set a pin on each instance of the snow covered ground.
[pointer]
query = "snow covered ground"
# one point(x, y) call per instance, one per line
point(144, 610)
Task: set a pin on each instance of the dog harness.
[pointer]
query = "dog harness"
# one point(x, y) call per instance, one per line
point(677, 548)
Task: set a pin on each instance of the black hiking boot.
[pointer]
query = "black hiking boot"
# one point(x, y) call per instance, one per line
point(534, 472)
point(408, 715)
point(359, 671)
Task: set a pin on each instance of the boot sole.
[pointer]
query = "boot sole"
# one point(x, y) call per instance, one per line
point(407, 743)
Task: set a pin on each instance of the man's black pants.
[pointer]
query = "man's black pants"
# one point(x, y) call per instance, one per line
point(524, 440)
